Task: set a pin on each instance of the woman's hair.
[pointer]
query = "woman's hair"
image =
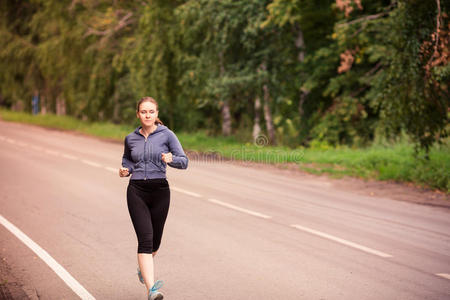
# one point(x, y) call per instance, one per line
point(149, 99)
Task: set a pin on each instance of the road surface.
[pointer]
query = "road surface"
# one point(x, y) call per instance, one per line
point(233, 232)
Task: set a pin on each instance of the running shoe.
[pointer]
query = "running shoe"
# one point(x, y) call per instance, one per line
point(153, 293)
point(141, 279)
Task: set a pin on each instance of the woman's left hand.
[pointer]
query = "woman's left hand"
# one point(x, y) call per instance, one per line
point(166, 157)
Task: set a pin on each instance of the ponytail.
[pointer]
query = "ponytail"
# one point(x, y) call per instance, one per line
point(158, 121)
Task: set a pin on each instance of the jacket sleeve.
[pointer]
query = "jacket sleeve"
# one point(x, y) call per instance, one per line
point(127, 161)
point(179, 158)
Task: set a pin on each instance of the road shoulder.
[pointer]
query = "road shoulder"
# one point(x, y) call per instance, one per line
point(10, 286)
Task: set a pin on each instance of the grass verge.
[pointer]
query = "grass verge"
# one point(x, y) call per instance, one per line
point(394, 162)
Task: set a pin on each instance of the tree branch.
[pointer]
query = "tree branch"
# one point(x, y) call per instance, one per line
point(438, 26)
point(365, 18)
point(125, 21)
point(375, 68)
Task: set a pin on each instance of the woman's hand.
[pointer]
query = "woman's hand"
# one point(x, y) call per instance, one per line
point(166, 157)
point(123, 172)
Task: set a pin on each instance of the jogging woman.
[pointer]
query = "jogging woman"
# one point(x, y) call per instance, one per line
point(147, 151)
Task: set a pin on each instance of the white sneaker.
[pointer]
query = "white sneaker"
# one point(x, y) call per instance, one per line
point(153, 293)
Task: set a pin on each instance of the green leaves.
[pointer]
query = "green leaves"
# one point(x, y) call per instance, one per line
point(334, 72)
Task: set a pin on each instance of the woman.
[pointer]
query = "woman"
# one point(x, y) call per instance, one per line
point(147, 151)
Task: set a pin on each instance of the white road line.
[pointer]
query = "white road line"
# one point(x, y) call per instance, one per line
point(247, 211)
point(69, 156)
point(114, 170)
point(91, 163)
point(185, 192)
point(342, 241)
point(444, 275)
point(50, 261)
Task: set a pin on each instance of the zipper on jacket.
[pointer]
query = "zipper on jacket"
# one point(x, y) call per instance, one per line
point(145, 162)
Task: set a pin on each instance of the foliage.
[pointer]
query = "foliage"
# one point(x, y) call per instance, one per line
point(337, 72)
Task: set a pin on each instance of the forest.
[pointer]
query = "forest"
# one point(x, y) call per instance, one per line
point(340, 72)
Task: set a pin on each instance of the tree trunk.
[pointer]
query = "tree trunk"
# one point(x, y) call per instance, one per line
point(43, 105)
point(225, 106)
point(18, 106)
point(60, 106)
point(300, 44)
point(268, 116)
point(256, 119)
point(226, 118)
point(116, 110)
point(267, 113)
point(303, 96)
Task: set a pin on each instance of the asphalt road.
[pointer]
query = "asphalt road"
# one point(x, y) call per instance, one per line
point(233, 232)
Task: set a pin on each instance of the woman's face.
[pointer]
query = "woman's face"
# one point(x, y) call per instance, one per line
point(147, 113)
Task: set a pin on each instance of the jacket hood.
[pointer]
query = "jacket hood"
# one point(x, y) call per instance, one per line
point(158, 129)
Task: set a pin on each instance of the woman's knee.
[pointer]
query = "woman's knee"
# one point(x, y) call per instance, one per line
point(145, 246)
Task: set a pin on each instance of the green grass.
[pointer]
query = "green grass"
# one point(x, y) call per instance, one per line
point(393, 162)
point(101, 129)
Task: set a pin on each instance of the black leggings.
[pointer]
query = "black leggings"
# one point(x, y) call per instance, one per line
point(148, 204)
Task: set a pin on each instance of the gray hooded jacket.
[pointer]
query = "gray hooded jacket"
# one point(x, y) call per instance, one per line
point(142, 156)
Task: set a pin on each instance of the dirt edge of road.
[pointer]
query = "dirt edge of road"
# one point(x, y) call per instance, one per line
point(10, 287)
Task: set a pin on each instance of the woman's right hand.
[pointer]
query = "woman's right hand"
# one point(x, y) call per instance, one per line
point(123, 172)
